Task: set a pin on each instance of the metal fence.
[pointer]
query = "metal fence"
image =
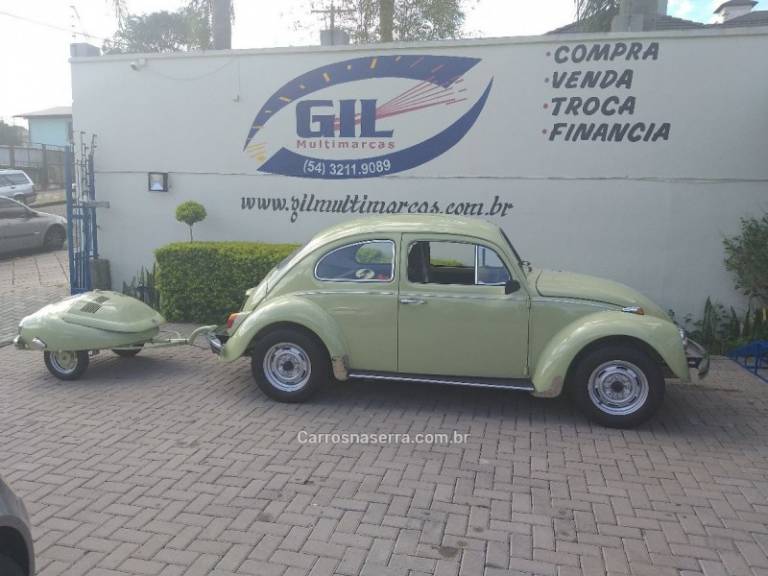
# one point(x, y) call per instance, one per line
point(43, 163)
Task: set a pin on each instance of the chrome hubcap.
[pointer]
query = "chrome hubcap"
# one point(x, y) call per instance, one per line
point(618, 388)
point(287, 367)
point(64, 362)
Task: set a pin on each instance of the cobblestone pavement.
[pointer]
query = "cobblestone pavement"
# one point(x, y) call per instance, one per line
point(27, 282)
point(172, 463)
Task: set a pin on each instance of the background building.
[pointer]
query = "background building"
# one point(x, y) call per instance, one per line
point(621, 155)
point(52, 126)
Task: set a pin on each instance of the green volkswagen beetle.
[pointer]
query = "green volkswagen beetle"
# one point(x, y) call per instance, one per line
point(448, 300)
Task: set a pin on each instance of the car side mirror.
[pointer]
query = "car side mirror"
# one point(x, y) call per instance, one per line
point(511, 286)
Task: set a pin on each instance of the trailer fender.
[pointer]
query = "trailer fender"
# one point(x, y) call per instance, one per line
point(290, 310)
point(558, 355)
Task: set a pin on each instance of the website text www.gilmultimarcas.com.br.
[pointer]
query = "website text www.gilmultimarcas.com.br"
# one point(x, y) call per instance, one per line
point(362, 205)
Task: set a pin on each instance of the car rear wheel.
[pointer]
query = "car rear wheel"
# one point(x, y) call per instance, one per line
point(66, 365)
point(618, 386)
point(289, 365)
point(54, 238)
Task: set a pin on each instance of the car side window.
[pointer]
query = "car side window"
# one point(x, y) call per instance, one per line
point(459, 263)
point(9, 209)
point(369, 261)
point(490, 268)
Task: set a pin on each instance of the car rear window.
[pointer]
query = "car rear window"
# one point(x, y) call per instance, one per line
point(370, 261)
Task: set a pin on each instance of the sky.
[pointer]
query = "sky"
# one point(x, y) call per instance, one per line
point(35, 34)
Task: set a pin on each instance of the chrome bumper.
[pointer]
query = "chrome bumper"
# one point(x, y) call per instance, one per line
point(35, 344)
point(698, 358)
point(215, 343)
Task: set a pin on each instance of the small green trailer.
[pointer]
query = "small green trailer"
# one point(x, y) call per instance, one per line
point(70, 331)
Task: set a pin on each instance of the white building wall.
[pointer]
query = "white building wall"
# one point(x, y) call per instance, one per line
point(651, 214)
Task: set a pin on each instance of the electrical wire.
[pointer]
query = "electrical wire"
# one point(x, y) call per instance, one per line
point(48, 25)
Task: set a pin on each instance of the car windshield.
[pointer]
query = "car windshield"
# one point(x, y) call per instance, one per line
point(522, 263)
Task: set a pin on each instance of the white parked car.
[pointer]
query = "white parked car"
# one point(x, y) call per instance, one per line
point(22, 228)
point(17, 185)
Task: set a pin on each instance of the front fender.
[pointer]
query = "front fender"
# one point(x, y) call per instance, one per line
point(287, 309)
point(558, 355)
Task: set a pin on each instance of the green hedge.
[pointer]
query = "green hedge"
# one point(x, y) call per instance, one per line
point(205, 281)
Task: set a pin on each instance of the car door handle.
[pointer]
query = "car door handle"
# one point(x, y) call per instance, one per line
point(412, 301)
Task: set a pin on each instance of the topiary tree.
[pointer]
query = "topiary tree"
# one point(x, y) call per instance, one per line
point(190, 213)
point(746, 255)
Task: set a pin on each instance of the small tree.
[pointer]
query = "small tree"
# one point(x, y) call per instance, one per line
point(190, 213)
point(746, 255)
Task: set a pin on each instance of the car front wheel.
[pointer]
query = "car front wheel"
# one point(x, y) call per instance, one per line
point(54, 238)
point(289, 365)
point(618, 386)
point(8, 567)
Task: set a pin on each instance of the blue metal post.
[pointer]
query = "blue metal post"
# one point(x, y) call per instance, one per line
point(69, 159)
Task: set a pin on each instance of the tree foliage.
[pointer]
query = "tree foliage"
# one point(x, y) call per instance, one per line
point(746, 255)
point(186, 29)
point(412, 20)
point(10, 135)
point(596, 15)
point(190, 213)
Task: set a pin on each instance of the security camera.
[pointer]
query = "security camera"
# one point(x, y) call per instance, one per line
point(137, 65)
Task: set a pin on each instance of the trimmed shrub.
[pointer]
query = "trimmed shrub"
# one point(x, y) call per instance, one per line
point(190, 213)
point(205, 281)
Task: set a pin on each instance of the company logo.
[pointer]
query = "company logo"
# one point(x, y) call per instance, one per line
point(367, 117)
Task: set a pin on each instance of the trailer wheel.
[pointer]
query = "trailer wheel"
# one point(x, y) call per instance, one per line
point(289, 365)
point(128, 352)
point(66, 364)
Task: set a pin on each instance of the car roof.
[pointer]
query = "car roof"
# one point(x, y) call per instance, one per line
point(407, 223)
point(8, 171)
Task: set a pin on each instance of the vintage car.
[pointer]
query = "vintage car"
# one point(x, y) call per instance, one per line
point(448, 300)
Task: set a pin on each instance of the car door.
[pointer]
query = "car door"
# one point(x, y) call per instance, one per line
point(5, 186)
point(21, 185)
point(16, 230)
point(455, 317)
point(355, 282)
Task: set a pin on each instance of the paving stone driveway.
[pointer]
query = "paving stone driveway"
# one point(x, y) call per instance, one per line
point(27, 282)
point(171, 463)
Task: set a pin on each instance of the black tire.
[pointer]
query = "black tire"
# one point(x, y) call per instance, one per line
point(8, 567)
point(128, 352)
point(64, 366)
point(618, 386)
point(299, 364)
point(54, 238)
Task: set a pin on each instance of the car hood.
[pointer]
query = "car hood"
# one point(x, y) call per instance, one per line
point(49, 216)
point(557, 284)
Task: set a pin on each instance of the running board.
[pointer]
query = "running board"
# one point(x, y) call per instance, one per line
point(521, 384)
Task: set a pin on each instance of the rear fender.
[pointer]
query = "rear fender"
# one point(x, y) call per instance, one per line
point(289, 310)
point(558, 355)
